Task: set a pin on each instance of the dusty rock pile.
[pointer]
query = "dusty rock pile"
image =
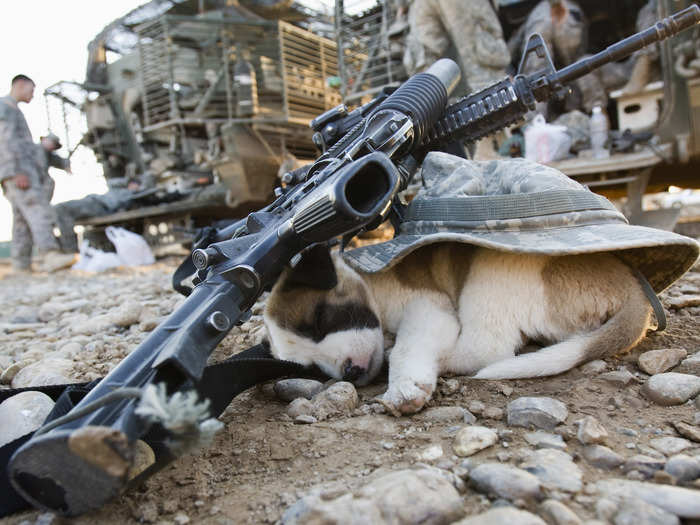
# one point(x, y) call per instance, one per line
point(611, 442)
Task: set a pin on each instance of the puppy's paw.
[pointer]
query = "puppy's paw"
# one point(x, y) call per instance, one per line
point(405, 397)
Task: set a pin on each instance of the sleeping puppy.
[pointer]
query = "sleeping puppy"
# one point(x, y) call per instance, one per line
point(455, 309)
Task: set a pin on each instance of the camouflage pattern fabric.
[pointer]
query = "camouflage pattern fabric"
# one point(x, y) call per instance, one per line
point(17, 149)
point(31, 213)
point(44, 160)
point(471, 27)
point(523, 207)
point(32, 223)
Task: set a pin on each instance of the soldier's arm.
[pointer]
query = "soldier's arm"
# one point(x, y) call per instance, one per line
point(56, 161)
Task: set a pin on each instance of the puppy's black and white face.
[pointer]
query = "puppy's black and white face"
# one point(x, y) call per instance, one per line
point(320, 312)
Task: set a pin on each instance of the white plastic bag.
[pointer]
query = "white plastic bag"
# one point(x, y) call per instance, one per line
point(94, 260)
point(546, 142)
point(132, 249)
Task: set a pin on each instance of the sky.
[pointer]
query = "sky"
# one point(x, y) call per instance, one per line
point(47, 41)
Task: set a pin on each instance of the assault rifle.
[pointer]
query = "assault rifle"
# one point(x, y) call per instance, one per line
point(80, 461)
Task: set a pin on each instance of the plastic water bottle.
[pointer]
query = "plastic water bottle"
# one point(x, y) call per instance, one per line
point(599, 133)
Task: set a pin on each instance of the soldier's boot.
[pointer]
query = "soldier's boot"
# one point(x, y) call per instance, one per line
point(640, 75)
point(54, 260)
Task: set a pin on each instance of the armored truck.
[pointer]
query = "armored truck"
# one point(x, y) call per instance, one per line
point(196, 105)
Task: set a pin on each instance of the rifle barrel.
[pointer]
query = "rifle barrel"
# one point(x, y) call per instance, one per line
point(663, 29)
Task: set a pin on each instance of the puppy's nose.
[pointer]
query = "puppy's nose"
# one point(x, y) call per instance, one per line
point(351, 371)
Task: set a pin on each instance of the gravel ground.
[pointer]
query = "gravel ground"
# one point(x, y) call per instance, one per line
point(615, 441)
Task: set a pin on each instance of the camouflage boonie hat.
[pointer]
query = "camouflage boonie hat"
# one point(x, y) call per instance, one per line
point(519, 206)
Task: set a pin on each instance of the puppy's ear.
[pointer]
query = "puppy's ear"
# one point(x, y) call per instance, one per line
point(315, 269)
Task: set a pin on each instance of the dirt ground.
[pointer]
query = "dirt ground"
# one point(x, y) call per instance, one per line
point(262, 461)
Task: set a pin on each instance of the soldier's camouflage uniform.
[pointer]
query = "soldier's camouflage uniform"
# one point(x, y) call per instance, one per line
point(46, 159)
point(31, 213)
point(471, 27)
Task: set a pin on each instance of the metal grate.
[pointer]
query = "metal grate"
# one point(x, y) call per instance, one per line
point(188, 71)
point(371, 58)
point(309, 64)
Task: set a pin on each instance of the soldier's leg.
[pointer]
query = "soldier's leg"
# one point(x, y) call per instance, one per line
point(31, 205)
point(65, 213)
point(21, 248)
point(476, 33)
point(427, 39)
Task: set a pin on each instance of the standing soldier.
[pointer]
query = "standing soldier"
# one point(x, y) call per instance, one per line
point(21, 182)
point(47, 158)
point(471, 27)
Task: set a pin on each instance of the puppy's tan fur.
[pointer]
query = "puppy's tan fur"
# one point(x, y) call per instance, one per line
point(459, 309)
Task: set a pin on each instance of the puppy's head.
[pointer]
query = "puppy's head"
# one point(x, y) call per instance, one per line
point(321, 312)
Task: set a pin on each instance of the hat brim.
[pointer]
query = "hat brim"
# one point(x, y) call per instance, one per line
point(661, 256)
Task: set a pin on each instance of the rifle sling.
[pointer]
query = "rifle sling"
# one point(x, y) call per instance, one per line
point(220, 383)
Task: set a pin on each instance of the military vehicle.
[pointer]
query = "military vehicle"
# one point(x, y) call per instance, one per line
point(196, 104)
point(662, 151)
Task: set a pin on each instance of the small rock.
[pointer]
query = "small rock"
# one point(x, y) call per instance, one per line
point(290, 389)
point(671, 388)
point(690, 431)
point(339, 398)
point(683, 468)
point(443, 414)
point(509, 515)
point(590, 431)
point(628, 432)
point(690, 365)
point(449, 386)
point(23, 413)
point(181, 518)
point(676, 500)
point(144, 457)
point(556, 513)
point(594, 367)
point(493, 413)
point(602, 457)
point(555, 470)
point(645, 465)
point(430, 453)
point(472, 439)
point(476, 407)
point(10, 372)
point(541, 412)
point(505, 481)
point(658, 361)
point(618, 378)
point(634, 511)
point(49, 371)
point(403, 496)
point(127, 314)
point(670, 445)
point(147, 511)
point(542, 439)
point(506, 390)
point(300, 407)
point(305, 419)
point(683, 301)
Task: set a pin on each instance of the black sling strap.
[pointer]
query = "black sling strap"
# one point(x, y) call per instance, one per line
point(220, 383)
